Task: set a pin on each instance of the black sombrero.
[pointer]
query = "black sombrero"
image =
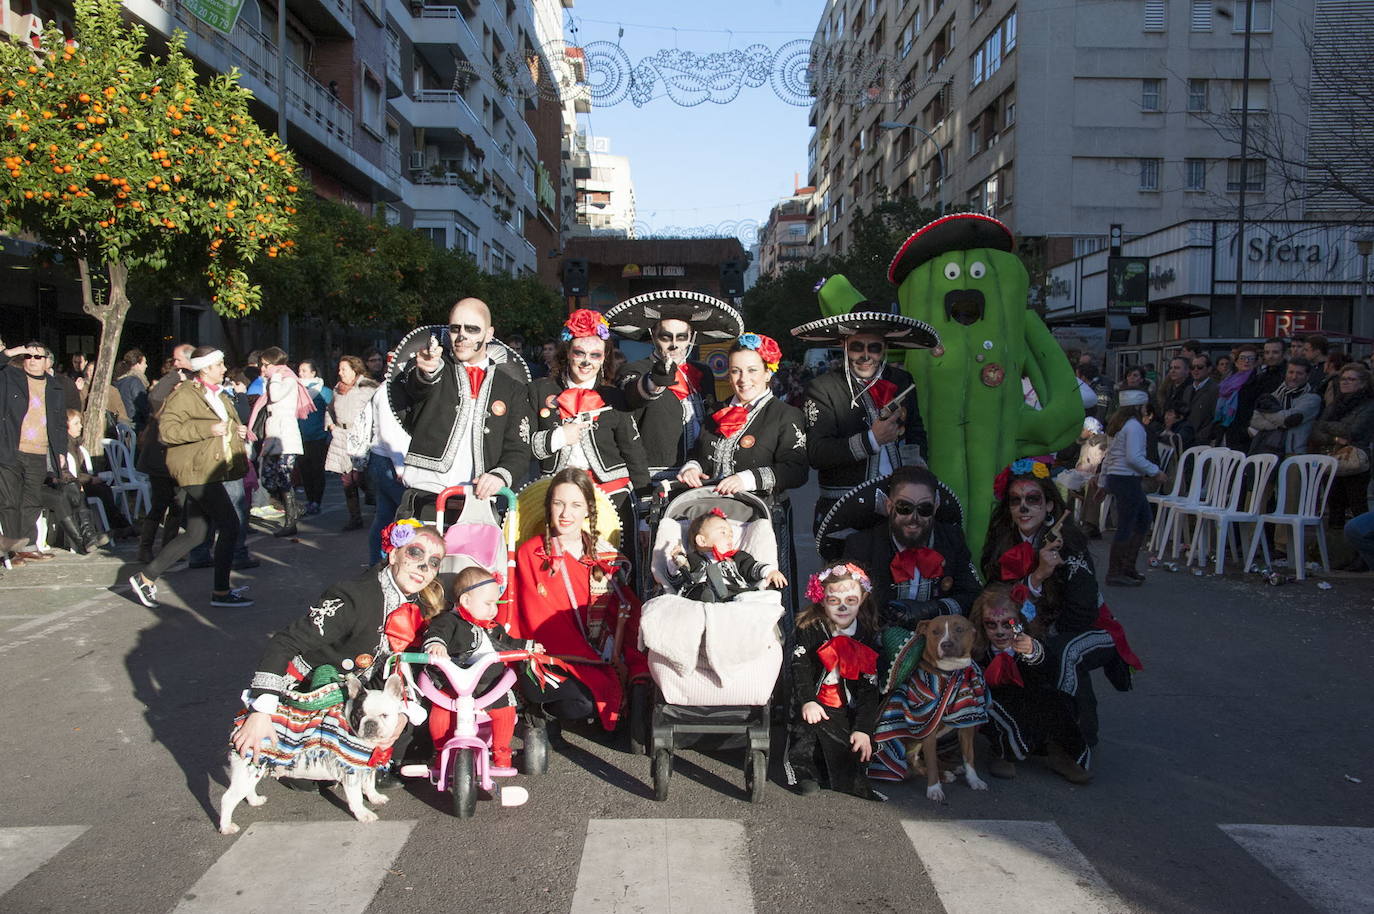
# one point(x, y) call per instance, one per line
point(713, 320)
point(848, 312)
point(857, 510)
point(956, 232)
point(505, 359)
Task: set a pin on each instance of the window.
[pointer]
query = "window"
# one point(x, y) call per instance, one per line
point(1008, 110)
point(908, 38)
point(1149, 174)
point(975, 144)
point(373, 106)
point(1154, 15)
point(1254, 175)
point(437, 236)
point(1197, 95)
point(1195, 174)
point(1009, 33)
point(978, 7)
point(1262, 16)
point(1259, 94)
point(1202, 16)
point(976, 72)
point(1150, 90)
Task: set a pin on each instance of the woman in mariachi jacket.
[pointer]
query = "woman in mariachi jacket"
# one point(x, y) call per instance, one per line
point(581, 420)
point(1032, 540)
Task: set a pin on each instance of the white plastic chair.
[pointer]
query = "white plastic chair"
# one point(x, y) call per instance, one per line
point(1257, 470)
point(1315, 473)
point(96, 505)
point(1222, 469)
point(129, 484)
point(1192, 466)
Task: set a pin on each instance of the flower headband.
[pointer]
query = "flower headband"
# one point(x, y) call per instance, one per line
point(399, 533)
point(765, 346)
point(585, 322)
point(815, 588)
point(1026, 466)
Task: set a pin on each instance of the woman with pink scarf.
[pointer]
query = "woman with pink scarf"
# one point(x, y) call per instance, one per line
point(273, 424)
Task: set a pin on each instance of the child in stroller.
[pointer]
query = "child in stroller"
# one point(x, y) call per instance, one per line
point(714, 665)
point(715, 571)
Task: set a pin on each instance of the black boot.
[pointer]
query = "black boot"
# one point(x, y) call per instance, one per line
point(1130, 557)
point(355, 514)
point(80, 513)
point(292, 507)
point(1116, 566)
point(71, 535)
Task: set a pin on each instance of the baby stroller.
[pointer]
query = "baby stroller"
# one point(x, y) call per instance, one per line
point(476, 537)
point(714, 666)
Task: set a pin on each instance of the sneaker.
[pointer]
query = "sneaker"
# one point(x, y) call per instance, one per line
point(808, 787)
point(232, 598)
point(312, 508)
point(146, 591)
point(268, 512)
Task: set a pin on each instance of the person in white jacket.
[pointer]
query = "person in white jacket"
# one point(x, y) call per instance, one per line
point(275, 424)
point(1124, 468)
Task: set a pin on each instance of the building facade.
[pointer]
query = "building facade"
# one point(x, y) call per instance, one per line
point(785, 238)
point(604, 191)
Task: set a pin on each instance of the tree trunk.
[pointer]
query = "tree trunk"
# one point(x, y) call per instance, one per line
point(111, 314)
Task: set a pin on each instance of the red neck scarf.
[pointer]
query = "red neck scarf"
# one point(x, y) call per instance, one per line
point(849, 659)
point(488, 624)
point(905, 564)
point(730, 420)
point(686, 382)
point(576, 400)
point(1003, 671)
point(1017, 562)
point(721, 555)
point(881, 393)
point(475, 378)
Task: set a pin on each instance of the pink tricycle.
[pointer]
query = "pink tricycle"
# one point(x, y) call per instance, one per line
point(463, 761)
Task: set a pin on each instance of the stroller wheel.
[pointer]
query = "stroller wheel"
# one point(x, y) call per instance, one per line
point(641, 715)
point(755, 774)
point(464, 785)
point(535, 758)
point(662, 771)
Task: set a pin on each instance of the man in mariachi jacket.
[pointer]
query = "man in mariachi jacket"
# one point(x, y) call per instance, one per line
point(919, 564)
point(854, 431)
point(467, 421)
point(670, 395)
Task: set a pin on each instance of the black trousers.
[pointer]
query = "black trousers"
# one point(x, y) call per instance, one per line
point(21, 495)
point(813, 747)
point(204, 506)
point(311, 465)
point(160, 509)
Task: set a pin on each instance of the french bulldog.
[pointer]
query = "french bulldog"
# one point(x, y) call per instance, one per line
point(372, 715)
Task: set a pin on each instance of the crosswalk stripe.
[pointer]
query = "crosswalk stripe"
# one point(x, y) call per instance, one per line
point(333, 867)
point(23, 850)
point(1328, 865)
point(682, 866)
point(987, 865)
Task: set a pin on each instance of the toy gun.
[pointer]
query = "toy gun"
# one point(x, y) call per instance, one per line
point(588, 416)
point(895, 403)
point(1055, 532)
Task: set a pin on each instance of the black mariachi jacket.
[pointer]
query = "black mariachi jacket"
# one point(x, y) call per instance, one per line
point(1071, 599)
point(716, 581)
point(772, 444)
point(613, 446)
point(462, 638)
point(345, 622)
point(837, 439)
point(873, 550)
point(662, 418)
point(500, 444)
point(861, 697)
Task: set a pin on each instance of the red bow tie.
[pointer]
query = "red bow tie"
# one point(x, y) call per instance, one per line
point(730, 420)
point(721, 555)
point(881, 393)
point(908, 562)
point(480, 623)
point(1003, 671)
point(576, 400)
point(1017, 562)
point(850, 658)
point(475, 376)
point(686, 382)
point(608, 562)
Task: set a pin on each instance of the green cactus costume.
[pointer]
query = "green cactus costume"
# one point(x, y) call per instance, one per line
point(959, 275)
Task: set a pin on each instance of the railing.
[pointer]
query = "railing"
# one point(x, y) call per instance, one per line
point(393, 57)
point(447, 12)
point(393, 161)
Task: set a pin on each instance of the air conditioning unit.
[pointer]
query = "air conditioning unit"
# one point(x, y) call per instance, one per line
point(417, 160)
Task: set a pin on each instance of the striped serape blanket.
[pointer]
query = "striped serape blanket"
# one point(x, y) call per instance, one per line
point(920, 707)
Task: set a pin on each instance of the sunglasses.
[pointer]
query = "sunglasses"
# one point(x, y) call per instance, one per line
point(904, 508)
point(858, 348)
point(31, 356)
point(999, 624)
point(419, 554)
point(663, 336)
point(465, 329)
point(1030, 500)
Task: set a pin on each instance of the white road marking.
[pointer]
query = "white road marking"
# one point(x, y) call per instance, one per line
point(664, 866)
point(333, 867)
point(1329, 866)
point(988, 865)
point(23, 850)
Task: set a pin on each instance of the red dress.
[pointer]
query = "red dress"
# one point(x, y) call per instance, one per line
point(542, 611)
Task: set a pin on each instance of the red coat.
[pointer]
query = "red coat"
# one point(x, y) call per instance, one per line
point(540, 610)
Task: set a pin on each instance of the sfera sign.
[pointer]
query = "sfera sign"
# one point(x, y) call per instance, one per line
point(1273, 250)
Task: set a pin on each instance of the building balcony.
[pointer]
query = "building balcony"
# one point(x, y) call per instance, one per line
point(395, 82)
point(436, 25)
point(439, 109)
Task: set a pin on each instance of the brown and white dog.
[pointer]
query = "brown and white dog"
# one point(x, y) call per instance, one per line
point(948, 651)
point(372, 715)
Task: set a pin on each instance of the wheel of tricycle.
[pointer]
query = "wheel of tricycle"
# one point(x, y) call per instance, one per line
point(662, 771)
point(464, 784)
point(641, 717)
point(755, 774)
point(535, 758)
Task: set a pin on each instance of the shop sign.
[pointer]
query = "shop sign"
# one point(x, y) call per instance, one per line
point(1128, 285)
point(633, 269)
point(1290, 323)
point(218, 14)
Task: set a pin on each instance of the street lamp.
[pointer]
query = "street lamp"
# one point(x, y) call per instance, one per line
point(1365, 246)
point(1244, 156)
point(939, 152)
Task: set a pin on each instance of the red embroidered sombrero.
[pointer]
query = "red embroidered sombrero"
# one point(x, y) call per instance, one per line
point(956, 232)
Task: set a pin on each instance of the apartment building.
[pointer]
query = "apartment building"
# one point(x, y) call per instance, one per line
point(604, 190)
point(785, 238)
point(1060, 118)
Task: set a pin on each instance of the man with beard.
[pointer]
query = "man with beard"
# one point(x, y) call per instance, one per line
point(1283, 419)
point(668, 395)
point(920, 567)
point(862, 422)
point(1272, 369)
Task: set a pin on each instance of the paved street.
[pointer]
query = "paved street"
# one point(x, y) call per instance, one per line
point(1236, 777)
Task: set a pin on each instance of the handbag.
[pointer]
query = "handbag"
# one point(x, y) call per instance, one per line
point(1351, 460)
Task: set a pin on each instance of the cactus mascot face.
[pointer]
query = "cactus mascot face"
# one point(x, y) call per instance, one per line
point(959, 275)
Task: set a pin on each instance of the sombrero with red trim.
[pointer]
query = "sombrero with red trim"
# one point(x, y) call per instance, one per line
point(955, 232)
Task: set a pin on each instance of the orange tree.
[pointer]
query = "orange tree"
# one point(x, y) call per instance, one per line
point(124, 162)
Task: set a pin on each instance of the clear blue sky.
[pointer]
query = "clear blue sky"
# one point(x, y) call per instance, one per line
point(707, 164)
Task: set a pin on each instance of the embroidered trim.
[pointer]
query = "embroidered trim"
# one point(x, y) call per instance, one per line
point(271, 682)
point(325, 611)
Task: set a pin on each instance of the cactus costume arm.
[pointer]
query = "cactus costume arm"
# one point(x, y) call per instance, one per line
point(970, 386)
